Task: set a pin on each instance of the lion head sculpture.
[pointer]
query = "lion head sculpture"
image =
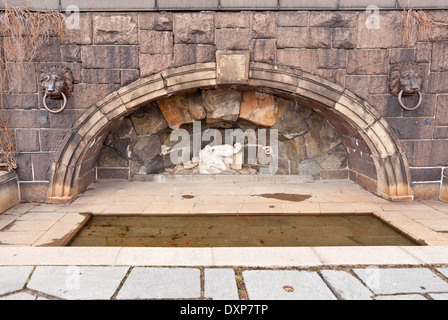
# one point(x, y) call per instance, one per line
point(406, 77)
point(57, 80)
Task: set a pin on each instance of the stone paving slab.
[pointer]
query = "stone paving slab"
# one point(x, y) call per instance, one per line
point(443, 271)
point(220, 284)
point(285, 285)
point(402, 297)
point(20, 296)
point(162, 283)
point(78, 283)
point(439, 296)
point(346, 286)
point(13, 278)
point(130, 282)
point(397, 280)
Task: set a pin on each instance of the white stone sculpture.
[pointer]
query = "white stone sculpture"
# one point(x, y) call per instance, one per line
point(217, 159)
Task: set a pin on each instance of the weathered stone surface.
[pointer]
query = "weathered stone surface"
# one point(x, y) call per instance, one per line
point(440, 57)
point(268, 284)
point(426, 153)
point(233, 39)
point(109, 158)
point(27, 140)
point(24, 170)
point(333, 19)
point(293, 122)
point(71, 53)
point(293, 19)
point(402, 55)
point(13, 278)
point(310, 167)
point(27, 118)
point(444, 188)
point(9, 190)
point(17, 82)
point(129, 76)
point(413, 128)
point(20, 101)
point(182, 109)
point(101, 76)
point(148, 120)
point(41, 166)
point(220, 284)
point(333, 75)
point(159, 21)
point(232, 66)
point(346, 286)
point(303, 37)
point(33, 191)
point(336, 159)
point(110, 57)
point(344, 38)
point(321, 137)
point(83, 35)
point(260, 109)
point(293, 149)
point(437, 82)
point(156, 42)
point(115, 29)
point(332, 59)
point(51, 138)
point(112, 173)
point(222, 104)
point(97, 283)
point(87, 94)
point(389, 35)
point(153, 63)
point(263, 25)
point(145, 148)
point(302, 59)
point(393, 281)
point(185, 54)
point(373, 61)
point(426, 191)
point(232, 20)
point(162, 283)
point(263, 51)
point(194, 28)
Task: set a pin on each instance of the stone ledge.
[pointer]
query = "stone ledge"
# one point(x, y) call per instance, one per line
point(249, 257)
point(225, 178)
point(227, 5)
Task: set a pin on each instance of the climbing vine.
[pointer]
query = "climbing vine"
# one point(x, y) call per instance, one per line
point(23, 32)
point(421, 22)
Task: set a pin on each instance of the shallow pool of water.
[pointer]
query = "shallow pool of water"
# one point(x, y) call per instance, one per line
point(237, 231)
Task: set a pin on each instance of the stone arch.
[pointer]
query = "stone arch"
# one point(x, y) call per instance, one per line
point(75, 160)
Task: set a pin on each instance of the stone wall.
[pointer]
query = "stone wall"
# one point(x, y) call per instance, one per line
point(114, 49)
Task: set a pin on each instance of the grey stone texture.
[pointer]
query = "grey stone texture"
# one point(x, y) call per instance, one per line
point(13, 278)
point(395, 281)
point(220, 284)
point(78, 283)
point(346, 286)
point(285, 285)
point(162, 283)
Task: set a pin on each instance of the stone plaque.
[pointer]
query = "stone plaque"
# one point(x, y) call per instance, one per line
point(233, 66)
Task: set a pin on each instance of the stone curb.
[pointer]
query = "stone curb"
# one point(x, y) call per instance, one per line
point(219, 257)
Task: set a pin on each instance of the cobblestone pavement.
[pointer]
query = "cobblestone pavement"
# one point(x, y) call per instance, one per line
point(199, 283)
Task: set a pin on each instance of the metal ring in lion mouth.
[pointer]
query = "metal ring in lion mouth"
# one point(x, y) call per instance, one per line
point(420, 99)
point(58, 110)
